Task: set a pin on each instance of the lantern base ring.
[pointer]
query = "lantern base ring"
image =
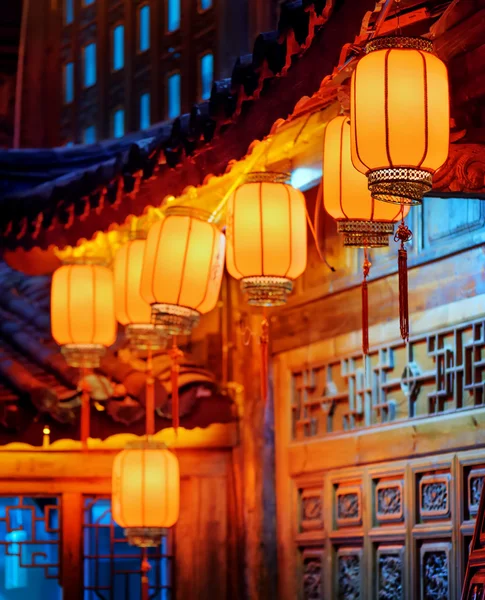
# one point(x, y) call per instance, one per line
point(365, 234)
point(173, 319)
point(144, 336)
point(400, 185)
point(266, 290)
point(145, 537)
point(83, 355)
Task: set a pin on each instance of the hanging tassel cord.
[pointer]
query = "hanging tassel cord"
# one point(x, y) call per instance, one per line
point(85, 409)
point(145, 569)
point(365, 303)
point(403, 235)
point(175, 355)
point(264, 341)
point(150, 396)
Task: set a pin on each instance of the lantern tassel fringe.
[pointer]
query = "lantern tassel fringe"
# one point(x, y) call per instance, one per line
point(175, 354)
point(365, 305)
point(85, 409)
point(264, 340)
point(403, 235)
point(150, 396)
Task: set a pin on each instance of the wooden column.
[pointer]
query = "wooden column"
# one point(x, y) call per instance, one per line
point(72, 567)
point(255, 459)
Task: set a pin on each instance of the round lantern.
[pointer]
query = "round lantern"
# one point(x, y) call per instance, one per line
point(363, 221)
point(82, 312)
point(266, 237)
point(182, 269)
point(131, 309)
point(399, 117)
point(145, 492)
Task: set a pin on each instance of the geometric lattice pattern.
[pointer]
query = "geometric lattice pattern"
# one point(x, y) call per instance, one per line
point(112, 568)
point(433, 374)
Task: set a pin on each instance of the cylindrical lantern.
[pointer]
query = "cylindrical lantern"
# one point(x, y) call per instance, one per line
point(82, 312)
point(145, 492)
point(266, 237)
point(400, 117)
point(363, 221)
point(182, 269)
point(131, 309)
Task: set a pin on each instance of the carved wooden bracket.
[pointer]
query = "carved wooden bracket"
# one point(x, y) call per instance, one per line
point(464, 171)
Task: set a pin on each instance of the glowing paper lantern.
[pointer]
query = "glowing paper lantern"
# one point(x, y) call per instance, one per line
point(131, 309)
point(82, 312)
point(145, 492)
point(182, 269)
point(266, 237)
point(365, 222)
point(400, 117)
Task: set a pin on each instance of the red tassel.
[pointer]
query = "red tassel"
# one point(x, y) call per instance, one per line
point(403, 293)
point(403, 235)
point(150, 396)
point(264, 359)
point(365, 306)
point(145, 569)
point(85, 410)
point(175, 355)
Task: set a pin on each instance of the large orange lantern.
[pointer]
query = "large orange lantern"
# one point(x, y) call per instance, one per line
point(83, 321)
point(182, 269)
point(400, 117)
point(266, 237)
point(131, 309)
point(145, 491)
point(82, 312)
point(364, 222)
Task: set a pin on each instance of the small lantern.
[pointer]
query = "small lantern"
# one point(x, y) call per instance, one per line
point(399, 117)
point(145, 492)
point(82, 312)
point(364, 222)
point(266, 237)
point(182, 269)
point(131, 309)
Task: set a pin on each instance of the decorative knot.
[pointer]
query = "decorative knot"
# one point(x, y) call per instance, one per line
point(175, 353)
point(366, 267)
point(403, 234)
point(264, 331)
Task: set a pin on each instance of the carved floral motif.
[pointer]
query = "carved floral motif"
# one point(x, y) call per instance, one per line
point(390, 586)
point(464, 171)
point(389, 501)
point(435, 575)
point(476, 479)
point(348, 506)
point(312, 579)
point(434, 496)
point(312, 508)
point(349, 577)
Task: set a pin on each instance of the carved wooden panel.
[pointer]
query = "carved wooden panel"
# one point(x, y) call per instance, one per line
point(349, 574)
point(434, 564)
point(312, 574)
point(390, 572)
point(435, 373)
point(311, 509)
point(348, 505)
point(476, 477)
point(434, 496)
point(389, 501)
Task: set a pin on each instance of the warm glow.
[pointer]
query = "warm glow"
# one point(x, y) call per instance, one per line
point(266, 231)
point(184, 262)
point(129, 305)
point(146, 488)
point(399, 110)
point(345, 191)
point(82, 306)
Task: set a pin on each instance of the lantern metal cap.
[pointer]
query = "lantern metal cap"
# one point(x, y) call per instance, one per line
point(145, 336)
point(145, 537)
point(83, 355)
point(267, 177)
point(145, 444)
point(400, 185)
point(173, 319)
point(365, 234)
point(390, 42)
point(188, 211)
point(266, 290)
